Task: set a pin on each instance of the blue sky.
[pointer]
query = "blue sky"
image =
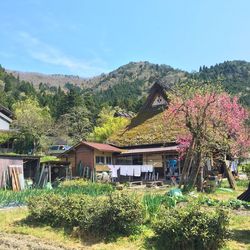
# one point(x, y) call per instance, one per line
point(88, 37)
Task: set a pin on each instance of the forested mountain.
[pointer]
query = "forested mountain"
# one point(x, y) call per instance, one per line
point(52, 80)
point(76, 105)
point(130, 73)
point(125, 87)
point(234, 75)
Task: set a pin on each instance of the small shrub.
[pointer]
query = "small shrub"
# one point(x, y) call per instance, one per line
point(191, 228)
point(125, 213)
point(46, 208)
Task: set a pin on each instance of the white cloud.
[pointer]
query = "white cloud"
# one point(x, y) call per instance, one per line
point(47, 54)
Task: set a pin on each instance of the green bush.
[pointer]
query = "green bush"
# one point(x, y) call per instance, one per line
point(191, 228)
point(116, 214)
point(46, 208)
point(125, 213)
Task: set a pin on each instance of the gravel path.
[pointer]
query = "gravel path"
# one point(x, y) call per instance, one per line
point(26, 242)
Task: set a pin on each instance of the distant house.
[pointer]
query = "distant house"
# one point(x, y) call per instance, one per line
point(5, 118)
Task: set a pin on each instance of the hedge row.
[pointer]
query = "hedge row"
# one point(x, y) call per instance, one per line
point(122, 213)
point(116, 214)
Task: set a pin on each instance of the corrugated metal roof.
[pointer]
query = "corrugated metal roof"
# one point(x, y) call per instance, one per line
point(102, 147)
point(150, 150)
point(35, 157)
point(98, 146)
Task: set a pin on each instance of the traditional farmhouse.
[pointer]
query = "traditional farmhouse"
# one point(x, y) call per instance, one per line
point(145, 149)
point(150, 139)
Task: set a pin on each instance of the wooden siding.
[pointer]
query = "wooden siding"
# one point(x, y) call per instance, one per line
point(154, 159)
point(86, 155)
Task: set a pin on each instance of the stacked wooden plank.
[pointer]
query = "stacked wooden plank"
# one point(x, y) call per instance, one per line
point(5, 172)
point(16, 177)
point(44, 176)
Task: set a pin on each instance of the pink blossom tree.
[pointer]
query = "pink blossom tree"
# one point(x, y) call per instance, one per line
point(213, 121)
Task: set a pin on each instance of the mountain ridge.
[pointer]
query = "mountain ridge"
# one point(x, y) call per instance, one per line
point(102, 81)
point(127, 85)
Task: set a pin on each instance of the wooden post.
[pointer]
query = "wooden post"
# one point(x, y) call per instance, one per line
point(50, 173)
point(229, 174)
point(179, 166)
point(164, 167)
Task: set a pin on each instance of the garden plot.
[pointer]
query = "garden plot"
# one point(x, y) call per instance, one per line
point(95, 216)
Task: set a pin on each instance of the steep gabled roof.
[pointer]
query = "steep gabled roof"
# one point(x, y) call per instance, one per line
point(157, 89)
point(149, 126)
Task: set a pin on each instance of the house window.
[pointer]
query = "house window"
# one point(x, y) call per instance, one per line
point(99, 159)
point(159, 100)
point(108, 160)
point(137, 159)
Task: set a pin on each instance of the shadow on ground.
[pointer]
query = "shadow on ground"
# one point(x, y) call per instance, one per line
point(241, 236)
point(75, 232)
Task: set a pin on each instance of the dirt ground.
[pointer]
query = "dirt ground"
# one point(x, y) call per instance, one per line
point(26, 242)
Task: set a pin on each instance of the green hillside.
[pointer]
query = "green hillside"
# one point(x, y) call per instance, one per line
point(234, 75)
point(75, 108)
point(125, 87)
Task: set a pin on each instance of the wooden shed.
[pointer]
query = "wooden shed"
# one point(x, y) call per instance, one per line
point(15, 168)
point(91, 155)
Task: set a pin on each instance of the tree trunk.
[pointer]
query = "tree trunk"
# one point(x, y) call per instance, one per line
point(194, 171)
point(229, 175)
point(200, 179)
point(187, 163)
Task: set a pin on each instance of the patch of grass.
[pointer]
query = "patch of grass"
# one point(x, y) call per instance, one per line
point(242, 183)
point(47, 158)
point(13, 221)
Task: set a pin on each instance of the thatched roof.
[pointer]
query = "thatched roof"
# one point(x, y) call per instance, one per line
point(149, 126)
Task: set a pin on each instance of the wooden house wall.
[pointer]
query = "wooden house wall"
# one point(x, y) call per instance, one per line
point(154, 159)
point(71, 157)
point(85, 155)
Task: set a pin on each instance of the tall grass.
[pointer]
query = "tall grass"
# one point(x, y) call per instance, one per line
point(153, 203)
point(10, 198)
